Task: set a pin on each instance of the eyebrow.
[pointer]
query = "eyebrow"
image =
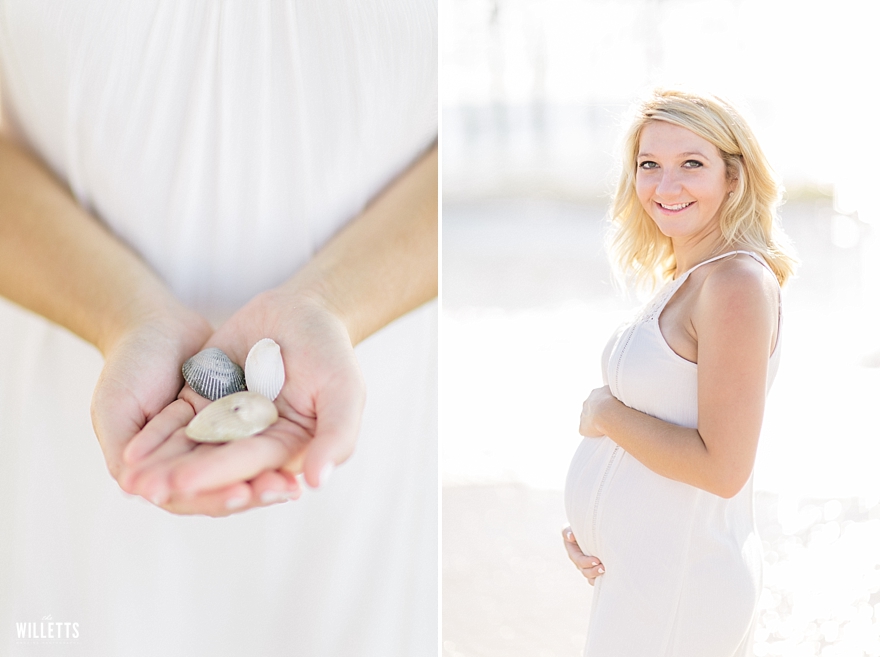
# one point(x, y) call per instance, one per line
point(679, 155)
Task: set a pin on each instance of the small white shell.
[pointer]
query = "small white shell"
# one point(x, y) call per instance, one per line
point(264, 369)
point(212, 374)
point(232, 417)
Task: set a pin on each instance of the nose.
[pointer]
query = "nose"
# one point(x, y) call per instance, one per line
point(669, 184)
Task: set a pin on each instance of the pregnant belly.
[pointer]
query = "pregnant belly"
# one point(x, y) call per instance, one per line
point(588, 476)
point(682, 549)
point(614, 503)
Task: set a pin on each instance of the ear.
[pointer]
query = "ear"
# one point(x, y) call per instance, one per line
point(734, 171)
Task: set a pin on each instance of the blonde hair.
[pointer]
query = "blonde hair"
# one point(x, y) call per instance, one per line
point(644, 255)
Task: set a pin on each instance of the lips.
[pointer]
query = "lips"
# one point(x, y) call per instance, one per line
point(674, 207)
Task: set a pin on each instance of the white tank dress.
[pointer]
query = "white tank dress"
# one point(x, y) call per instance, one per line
point(683, 566)
point(225, 141)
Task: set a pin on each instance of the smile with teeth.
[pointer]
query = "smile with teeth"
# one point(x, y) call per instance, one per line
point(676, 207)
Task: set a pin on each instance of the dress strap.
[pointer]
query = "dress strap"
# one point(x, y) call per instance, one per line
point(754, 255)
point(672, 287)
point(718, 257)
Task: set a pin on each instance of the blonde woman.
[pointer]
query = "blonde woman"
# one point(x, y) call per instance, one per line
point(659, 493)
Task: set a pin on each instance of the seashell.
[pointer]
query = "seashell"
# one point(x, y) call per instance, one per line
point(232, 417)
point(213, 375)
point(264, 369)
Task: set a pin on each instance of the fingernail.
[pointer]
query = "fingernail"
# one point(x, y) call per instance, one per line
point(595, 563)
point(157, 499)
point(324, 477)
point(601, 570)
point(274, 496)
point(235, 503)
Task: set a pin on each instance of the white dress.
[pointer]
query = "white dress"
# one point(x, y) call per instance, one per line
point(225, 141)
point(683, 565)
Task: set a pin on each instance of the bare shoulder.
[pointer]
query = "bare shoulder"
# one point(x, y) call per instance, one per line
point(738, 290)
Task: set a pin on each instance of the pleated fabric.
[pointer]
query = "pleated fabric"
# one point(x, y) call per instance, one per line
point(683, 565)
point(225, 142)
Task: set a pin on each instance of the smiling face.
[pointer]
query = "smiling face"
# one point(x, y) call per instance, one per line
point(681, 181)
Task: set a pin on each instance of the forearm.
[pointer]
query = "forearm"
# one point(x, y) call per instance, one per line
point(670, 450)
point(60, 262)
point(384, 263)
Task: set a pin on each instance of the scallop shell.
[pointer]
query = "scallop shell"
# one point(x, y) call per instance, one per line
point(213, 375)
point(264, 369)
point(232, 417)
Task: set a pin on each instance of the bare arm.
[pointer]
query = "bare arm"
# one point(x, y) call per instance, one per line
point(60, 262)
point(380, 266)
point(384, 263)
point(734, 318)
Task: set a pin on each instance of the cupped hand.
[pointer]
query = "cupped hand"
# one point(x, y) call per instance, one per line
point(319, 407)
point(591, 409)
point(140, 378)
point(589, 567)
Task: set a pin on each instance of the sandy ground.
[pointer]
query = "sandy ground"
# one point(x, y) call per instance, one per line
point(510, 591)
point(508, 587)
point(527, 308)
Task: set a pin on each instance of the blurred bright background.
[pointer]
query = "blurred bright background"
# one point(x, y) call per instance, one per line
point(534, 97)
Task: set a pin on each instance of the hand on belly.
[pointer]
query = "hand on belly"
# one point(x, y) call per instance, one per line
point(590, 567)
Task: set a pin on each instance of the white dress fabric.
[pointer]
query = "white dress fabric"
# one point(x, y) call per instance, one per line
point(683, 566)
point(225, 141)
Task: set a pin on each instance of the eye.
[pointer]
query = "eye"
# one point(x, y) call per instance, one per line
point(648, 164)
point(692, 164)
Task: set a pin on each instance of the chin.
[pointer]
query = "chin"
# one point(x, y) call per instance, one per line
point(671, 231)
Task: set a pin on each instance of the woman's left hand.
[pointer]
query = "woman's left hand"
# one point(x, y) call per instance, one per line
point(592, 409)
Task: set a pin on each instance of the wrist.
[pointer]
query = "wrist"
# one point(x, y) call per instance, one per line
point(157, 309)
point(604, 411)
point(310, 294)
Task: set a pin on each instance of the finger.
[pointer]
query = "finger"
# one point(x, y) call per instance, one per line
point(578, 558)
point(570, 542)
point(239, 460)
point(273, 487)
point(174, 416)
point(217, 503)
point(293, 481)
point(152, 477)
point(338, 412)
point(176, 445)
point(193, 398)
point(235, 498)
point(594, 572)
point(287, 410)
point(586, 562)
point(116, 417)
point(592, 581)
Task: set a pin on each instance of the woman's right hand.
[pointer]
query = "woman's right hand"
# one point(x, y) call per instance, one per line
point(590, 567)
